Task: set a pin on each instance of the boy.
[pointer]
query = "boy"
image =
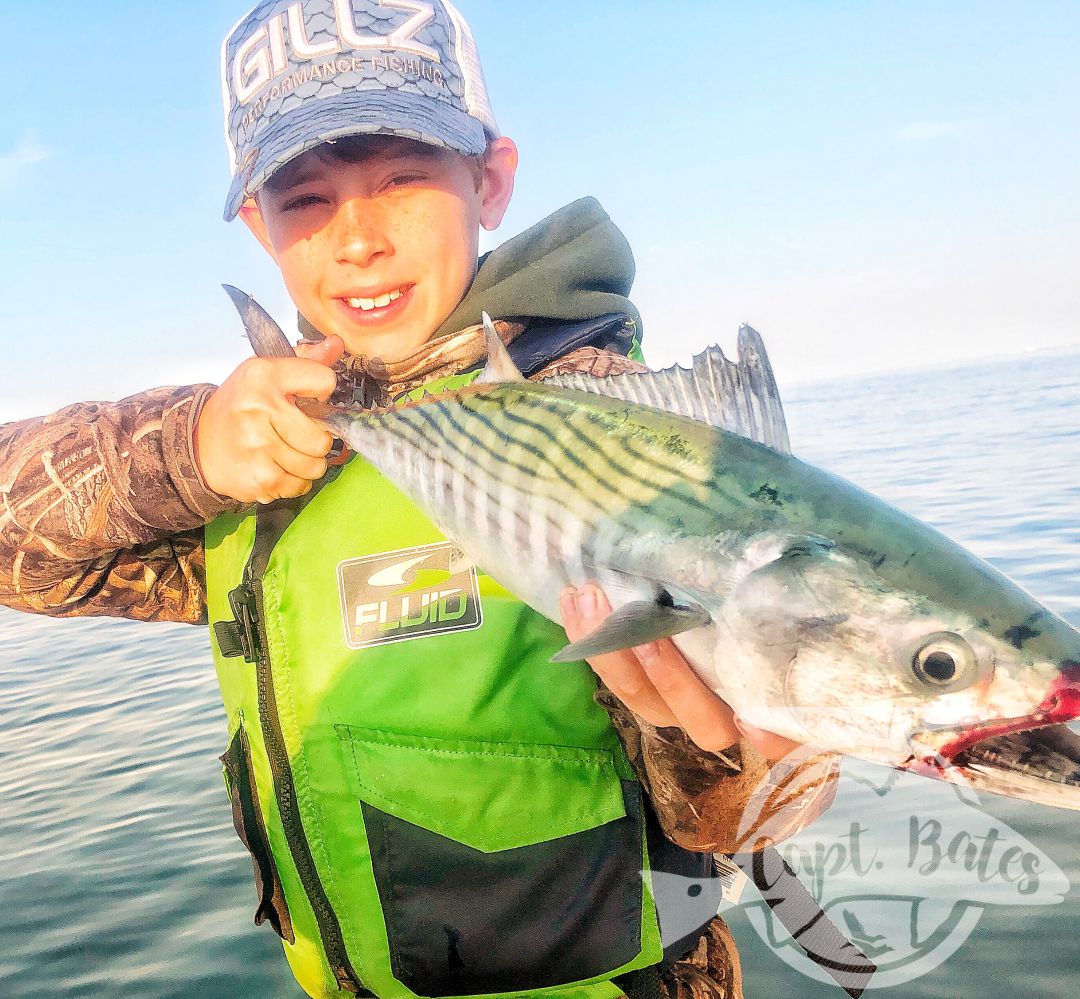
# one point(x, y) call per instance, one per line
point(448, 815)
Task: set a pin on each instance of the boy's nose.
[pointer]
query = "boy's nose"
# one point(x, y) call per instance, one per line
point(362, 236)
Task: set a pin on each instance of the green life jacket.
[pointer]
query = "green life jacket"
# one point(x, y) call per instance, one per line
point(432, 808)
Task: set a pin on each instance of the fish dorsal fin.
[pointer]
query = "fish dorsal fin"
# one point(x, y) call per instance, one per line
point(500, 365)
point(740, 397)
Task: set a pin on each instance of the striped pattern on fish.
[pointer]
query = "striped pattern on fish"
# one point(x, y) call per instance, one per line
point(564, 483)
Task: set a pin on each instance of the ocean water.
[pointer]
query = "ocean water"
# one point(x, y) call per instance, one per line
point(120, 874)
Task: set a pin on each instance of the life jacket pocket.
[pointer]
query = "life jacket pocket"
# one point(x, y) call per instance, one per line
point(500, 867)
point(248, 821)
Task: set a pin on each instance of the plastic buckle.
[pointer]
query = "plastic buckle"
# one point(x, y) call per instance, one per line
point(242, 603)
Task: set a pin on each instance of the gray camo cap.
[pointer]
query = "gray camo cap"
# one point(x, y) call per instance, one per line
point(297, 73)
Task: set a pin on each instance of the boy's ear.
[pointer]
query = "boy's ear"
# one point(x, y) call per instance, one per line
point(497, 184)
point(252, 217)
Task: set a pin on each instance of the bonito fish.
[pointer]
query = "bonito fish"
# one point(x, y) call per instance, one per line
point(814, 609)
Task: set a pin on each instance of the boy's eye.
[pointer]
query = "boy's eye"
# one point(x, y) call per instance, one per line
point(303, 201)
point(404, 179)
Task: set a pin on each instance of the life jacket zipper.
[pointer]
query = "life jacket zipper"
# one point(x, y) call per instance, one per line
point(285, 790)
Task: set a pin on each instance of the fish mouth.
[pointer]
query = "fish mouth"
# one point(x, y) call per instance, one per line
point(1040, 765)
point(1034, 757)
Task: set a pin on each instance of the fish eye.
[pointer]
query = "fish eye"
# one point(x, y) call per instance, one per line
point(945, 662)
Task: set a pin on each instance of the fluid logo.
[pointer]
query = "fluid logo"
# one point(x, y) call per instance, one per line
point(411, 593)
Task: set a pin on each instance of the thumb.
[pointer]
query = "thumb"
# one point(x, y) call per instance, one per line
point(326, 351)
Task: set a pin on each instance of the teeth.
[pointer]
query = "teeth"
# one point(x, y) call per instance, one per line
point(367, 304)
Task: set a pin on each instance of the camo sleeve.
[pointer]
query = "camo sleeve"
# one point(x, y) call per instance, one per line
point(101, 510)
point(590, 361)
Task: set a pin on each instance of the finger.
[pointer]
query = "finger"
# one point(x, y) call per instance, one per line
point(264, 480)
point(300, 432)
point(326, 351)
point(304, 378)
point(769, 744)
point(267, 481)
point(295, 463)
point(282, 486)
point(583, 611)
point(705, 718)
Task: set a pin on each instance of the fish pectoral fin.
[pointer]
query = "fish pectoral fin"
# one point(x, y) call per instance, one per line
point(635, 623)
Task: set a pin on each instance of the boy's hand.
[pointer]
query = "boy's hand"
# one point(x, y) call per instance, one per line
point(251, 442)
point(657, 684)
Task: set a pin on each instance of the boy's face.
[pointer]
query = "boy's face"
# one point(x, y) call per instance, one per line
point(378, 242)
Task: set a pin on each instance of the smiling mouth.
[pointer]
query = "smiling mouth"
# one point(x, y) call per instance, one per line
point(380, 302)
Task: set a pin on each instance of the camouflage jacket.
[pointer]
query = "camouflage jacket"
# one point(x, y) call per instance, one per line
point(103, 509)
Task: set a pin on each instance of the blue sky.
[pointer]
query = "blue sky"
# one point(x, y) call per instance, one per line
point(873, 185)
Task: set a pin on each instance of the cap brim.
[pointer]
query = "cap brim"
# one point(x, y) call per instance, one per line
point(410, 116)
